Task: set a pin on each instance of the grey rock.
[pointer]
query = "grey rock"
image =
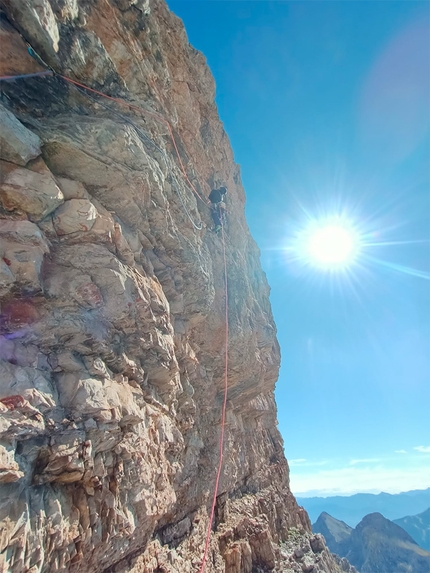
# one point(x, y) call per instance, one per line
point(142, 5)
point(177, 530)
point(17, 143)
point(89, 58)
point(72, 189)
point(299, 553)
point(6, 278)
point(317, 543)
point(23, 248)
point(75, 215)
point(37, 20)
point(65, 10)
point(32, 192)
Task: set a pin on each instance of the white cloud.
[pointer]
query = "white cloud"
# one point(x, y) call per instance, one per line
point(424, 449)
point(364, 461)
point(303, 462)
point(354, 479)
point(400, 452)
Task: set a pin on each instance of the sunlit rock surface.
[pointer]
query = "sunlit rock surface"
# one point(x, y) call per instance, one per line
point(112, 316)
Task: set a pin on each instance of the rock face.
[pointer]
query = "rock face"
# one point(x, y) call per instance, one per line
point(17, 143)
point(112, 320)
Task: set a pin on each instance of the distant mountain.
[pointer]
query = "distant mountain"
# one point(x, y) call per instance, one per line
point(376, 545)
point(335, 532)
point(351, 509)
point(418, 527)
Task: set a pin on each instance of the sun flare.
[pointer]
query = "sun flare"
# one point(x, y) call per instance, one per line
point(328, 245)
point(331, 246)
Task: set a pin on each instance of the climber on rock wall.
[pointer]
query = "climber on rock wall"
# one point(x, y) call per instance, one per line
point(216, 197)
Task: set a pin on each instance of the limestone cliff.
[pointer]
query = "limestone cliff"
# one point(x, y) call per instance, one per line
point(112, 320)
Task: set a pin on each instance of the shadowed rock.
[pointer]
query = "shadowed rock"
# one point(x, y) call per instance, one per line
point(17, 143)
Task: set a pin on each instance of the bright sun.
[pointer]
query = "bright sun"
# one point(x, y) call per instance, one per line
point(330, 245)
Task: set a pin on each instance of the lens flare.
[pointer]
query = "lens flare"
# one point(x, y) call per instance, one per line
point(340, 245)
point(332, 246)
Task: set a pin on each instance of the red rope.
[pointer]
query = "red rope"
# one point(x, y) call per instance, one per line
point(223, 415)
point(142, 110)
point(121, 102)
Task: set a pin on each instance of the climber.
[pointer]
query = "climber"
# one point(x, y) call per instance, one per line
point(218, 208)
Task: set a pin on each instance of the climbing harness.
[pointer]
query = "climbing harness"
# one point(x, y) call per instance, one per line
point(175, 184)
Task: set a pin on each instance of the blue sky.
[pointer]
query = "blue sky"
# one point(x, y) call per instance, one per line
point(327, 108)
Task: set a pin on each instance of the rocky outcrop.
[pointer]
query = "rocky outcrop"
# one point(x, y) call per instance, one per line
point(18, 144)
point(112, 321)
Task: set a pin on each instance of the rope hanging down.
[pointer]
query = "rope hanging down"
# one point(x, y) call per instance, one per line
point(223, 414)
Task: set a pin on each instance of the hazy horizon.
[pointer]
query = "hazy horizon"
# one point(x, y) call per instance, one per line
point(310, 493)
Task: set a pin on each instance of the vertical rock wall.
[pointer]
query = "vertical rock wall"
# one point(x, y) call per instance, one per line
point(112, 310)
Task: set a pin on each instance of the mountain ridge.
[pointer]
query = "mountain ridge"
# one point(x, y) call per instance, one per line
point(351, 509)
point(418, 527)
point(376, 544)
